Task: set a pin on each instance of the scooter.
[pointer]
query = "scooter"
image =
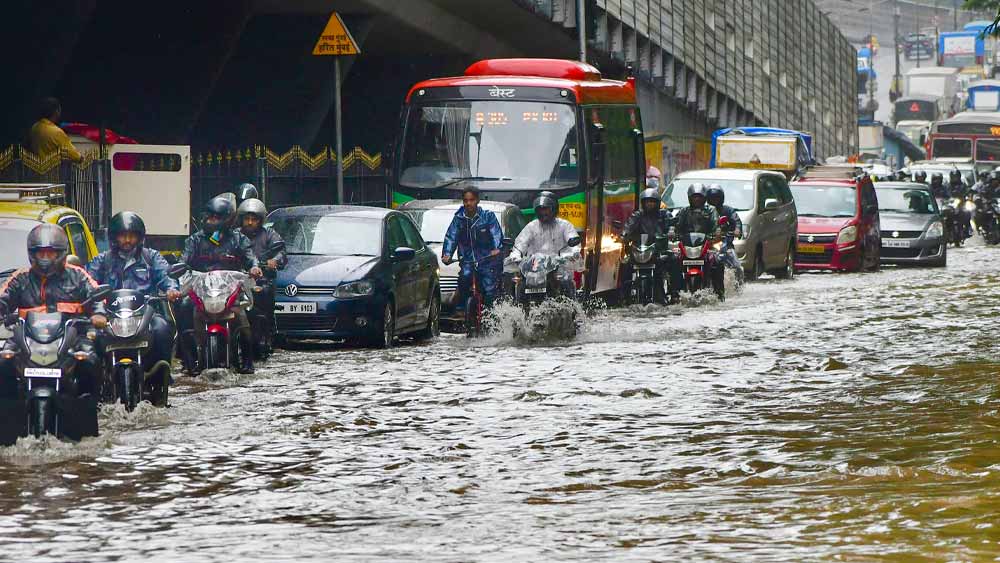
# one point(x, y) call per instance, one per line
point(126, 339)
point(698, 262)
point(216, 296)
point(52, 376)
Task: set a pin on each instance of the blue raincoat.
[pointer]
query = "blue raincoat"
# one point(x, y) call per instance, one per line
point(475, 238)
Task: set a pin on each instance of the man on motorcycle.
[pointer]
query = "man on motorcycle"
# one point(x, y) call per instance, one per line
point(130, 265)
point(50, 284)
point(550, 235)
point(958, 189)
point(700, 218)
point(938, 188)
point(218, 246)
point(920, 177)
point(654, 222)
point(733, 228)
point(246, 191)
point(475, 233)
point(250, 216)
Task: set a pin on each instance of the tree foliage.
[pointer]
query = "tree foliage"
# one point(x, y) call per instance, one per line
point(992, 5)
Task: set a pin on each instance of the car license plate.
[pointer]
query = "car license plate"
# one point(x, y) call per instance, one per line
point(812, 248)
point(694, 262)
point(47, 373)
point(890, 243)
point(534, 290)
point(295, 308)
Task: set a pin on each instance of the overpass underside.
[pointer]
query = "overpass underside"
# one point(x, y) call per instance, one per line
point(240, 72)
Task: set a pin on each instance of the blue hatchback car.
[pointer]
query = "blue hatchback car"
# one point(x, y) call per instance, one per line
point(355, 273)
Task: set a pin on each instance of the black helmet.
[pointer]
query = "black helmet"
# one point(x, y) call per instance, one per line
point(649, 194)
point(937, 177)
point(546, 199)
point(246, 191)
point(126, 222)
point(995, 175)
point(984, 175)
point(696, 190)
point(955, 176)
point(715, 195)
point(221, 207)
point(47, 236)
point(920, 176)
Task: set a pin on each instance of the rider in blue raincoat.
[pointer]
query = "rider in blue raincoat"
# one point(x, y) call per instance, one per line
point(476, 234)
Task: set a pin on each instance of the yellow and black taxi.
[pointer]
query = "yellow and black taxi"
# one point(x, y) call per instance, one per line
point(23, 207)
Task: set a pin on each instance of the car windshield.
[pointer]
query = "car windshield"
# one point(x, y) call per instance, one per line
point(433, 223)
point(331, 235)
point(13, 237)
point(499, 145)
point(825, 201)
point(739, 193)
point(906, 199)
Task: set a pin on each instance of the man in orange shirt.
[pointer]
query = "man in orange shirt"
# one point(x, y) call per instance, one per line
point(46, 137)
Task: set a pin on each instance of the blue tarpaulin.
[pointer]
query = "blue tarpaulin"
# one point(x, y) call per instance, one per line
point(805, 138)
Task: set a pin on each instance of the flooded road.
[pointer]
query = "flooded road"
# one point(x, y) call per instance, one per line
point(833, 417)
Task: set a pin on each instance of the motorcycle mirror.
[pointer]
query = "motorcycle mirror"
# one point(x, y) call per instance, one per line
point(575, 241)
point(178, 270)
point(101, 293)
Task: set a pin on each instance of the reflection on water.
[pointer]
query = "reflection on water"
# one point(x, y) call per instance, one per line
point(832, 417)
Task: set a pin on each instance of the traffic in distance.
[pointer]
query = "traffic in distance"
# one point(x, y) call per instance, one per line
point(520, 185)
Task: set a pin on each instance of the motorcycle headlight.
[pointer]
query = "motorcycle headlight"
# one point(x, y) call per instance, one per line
point(692, 251)
point(936, 230)
point(970, 206)
point(44, 354)
point(354, 289)
point(215, 304)
point(642, 256)
point(125, 327)
point(848, 235)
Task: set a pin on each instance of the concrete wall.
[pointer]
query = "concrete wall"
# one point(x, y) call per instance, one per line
point(781, 63)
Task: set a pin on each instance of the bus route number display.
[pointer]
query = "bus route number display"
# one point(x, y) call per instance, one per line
point(500, 118)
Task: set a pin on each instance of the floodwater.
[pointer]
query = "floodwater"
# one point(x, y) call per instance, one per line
point(833, 417)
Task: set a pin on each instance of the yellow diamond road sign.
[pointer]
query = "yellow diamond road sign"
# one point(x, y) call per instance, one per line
point(335, 39)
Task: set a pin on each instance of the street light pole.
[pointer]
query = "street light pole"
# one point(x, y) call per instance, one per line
point(896, 79)
point(581, 28)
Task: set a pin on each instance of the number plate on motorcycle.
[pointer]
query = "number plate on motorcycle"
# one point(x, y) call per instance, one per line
point(890, 243)
point(295, 308)
point(43, 372)
point(812, 248)
point(534, 290)
point(694, 262)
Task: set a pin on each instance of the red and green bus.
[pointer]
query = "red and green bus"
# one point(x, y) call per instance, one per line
point(515, 127)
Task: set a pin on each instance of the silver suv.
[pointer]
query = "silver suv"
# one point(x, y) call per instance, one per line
point(766, 207)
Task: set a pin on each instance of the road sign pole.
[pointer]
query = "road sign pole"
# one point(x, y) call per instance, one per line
point(339, 134)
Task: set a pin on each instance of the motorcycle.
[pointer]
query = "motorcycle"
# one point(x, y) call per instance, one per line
point(643, 254)
point(988, 219)
point(216, 296)
point(261, 315)
point(954, 228)
point(537, 282)
point(52, 375)
point(698, 262)
point(126, 339)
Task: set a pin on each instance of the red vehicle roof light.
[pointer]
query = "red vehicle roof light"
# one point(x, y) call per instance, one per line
point(545, 68)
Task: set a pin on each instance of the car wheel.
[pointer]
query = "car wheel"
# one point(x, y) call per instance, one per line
point(788, 272)
point(433, 328)
point(386, 330)
point(758, 265)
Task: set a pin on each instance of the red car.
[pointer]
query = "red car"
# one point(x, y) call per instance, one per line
point(838, 220)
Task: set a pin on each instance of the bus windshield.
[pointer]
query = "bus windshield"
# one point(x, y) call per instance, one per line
point(498, 145)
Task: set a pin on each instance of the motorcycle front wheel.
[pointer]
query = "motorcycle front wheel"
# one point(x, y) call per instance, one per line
point(474, 316)
point(42, 413)
point(215, 351)
point(128, 389)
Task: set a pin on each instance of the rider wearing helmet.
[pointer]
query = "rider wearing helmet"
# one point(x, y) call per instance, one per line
point(270, 251)
point(920, 177)
point(549, 234)
point(131, 265)
point(654, 222)
point(218, 246)
point(475, 232)
point(246, 191)
point(958, 188)
point(697, 217)
point(716, 197)
point(938, 188)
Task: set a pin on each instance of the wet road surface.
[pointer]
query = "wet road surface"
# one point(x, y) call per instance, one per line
point(833, 417)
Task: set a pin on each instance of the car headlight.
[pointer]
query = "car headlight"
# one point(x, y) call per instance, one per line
point(847, 235)
point(125, 327)
point(936, 230)
point(354, 289)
